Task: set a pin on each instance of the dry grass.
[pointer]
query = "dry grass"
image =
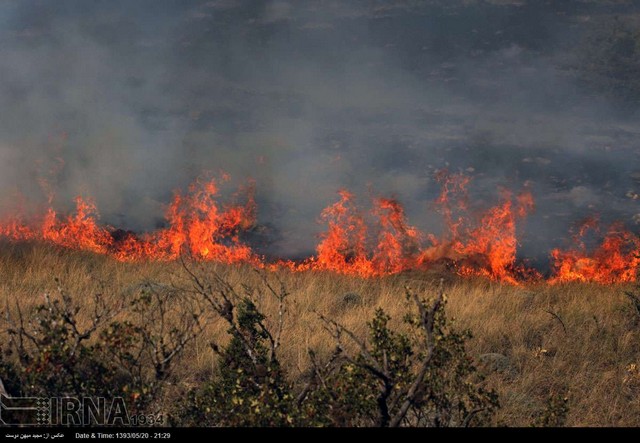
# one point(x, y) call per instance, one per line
point(576, 340)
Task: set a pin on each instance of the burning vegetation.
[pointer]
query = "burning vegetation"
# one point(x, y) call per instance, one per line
point(356, 242)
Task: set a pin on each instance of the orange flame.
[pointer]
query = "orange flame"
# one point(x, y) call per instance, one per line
point(391, 245)
point(349, 246)
point(78, 230)
point(494, 240)
point(485, 245)
point(615, 260)
point(343, 247)
point(398, 243)
point(197, 225)
point(362, 243)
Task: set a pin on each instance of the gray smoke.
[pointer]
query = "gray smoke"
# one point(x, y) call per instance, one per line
point(139, 97)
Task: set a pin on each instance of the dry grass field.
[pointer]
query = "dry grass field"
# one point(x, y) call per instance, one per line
point(578, 341)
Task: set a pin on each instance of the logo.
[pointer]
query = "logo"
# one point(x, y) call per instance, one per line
point(24, 410)
point(69, 411)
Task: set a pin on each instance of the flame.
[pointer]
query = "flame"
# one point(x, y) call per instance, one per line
point(484, 245)
point(78, 230)
point(495, 241)
point(366, 243)
point(398, 242)
point(615, 260)
point(351, 246)
point(389, 245)
point(197, 225)
point(343, 247)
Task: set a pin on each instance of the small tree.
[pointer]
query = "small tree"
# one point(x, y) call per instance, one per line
point(250, 388)
point(419, 378)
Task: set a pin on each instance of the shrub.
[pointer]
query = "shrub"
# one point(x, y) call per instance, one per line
point(554, 413)
point(53, 354)
point(420, 378)
point(250, 389)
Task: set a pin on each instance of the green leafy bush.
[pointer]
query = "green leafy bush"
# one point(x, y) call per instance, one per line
point(250, 389)
point(421, 377)
point(51, 353)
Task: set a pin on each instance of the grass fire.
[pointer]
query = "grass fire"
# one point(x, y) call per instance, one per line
point(372, 243)
point(241, 214)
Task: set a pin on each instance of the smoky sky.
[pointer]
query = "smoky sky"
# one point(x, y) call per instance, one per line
point(140, 97)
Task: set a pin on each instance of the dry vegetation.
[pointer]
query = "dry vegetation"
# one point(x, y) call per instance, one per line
point(535, 344)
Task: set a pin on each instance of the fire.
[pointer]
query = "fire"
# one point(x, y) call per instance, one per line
point(78, 230)
point(200, 226)
point(367, 243)
point(343, 247)
point(484, 245)
point(398, 242)
point(389, 244)
point(615, 260)
point(350, 246)
point(197, 225)
point(495, 240)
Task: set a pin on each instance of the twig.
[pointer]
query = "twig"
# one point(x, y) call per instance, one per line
point(373, 363)
point(467, 420)
point(635, 300)
point(558, 318)
point(427, 317)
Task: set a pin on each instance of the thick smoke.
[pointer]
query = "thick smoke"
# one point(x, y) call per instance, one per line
point(139, 97)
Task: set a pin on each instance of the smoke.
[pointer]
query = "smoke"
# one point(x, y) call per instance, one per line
point(306, 97)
